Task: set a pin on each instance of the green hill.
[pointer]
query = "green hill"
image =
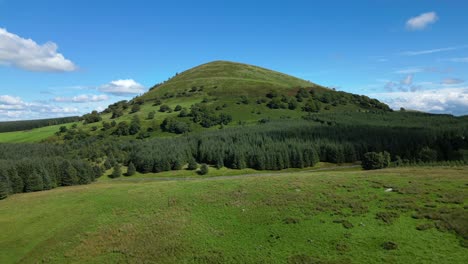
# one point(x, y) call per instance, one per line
point(212, 95)
point(228, 78)
point(222, 93)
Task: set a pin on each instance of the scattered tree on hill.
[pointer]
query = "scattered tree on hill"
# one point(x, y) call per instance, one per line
point(93, 117)
point(122, 129)
point(135, 126)
point(117, 172)
point(131, 169)
point(178, 108)
point(203, 169)
point(192, 164)
point(174, 126)
point(135, 108)
point(164, 108)
point(374, 160)
point(151, 115)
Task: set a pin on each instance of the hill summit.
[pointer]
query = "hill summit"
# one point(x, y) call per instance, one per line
point(225, 77)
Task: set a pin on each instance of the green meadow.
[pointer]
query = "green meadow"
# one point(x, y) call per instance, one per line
point(336, 216)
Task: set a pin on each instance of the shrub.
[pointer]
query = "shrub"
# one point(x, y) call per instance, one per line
point(203, 169)
point(389, 245)
point(192, 164)
point(387, 217)
point(131, 169)
point(374, 160)
point(117, 172)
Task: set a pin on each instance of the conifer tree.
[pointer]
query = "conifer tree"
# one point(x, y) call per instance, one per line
point(117, 172)
point(34, 182)
point(131, 169)
point(203, 169)
point(192, 164)
point(69, 174)
point(3, 189)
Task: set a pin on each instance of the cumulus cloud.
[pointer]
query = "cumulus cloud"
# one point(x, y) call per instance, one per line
point(83, 98)
point(122, 87)
point(27, 54)
point(445, 100)
point(450, 81)
point(9, 100)
point(15, 108)
point(422, 21)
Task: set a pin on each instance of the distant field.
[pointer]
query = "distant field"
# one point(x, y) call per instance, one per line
point(33, 135)
point(297, 217)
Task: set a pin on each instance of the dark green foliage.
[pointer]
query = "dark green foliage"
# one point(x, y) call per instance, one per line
point(192, 164)
point(178, 108)
point(122, 129)
point(135, 126)
point(184, 113)
point(172, 125)
point(151, 115)
point(203, 169)
point(427, 155)
point(131, 170)
point(164, 108)
point(117, 109)
point(93, 117)
point(207, 116)
point(292, 104)
point(389, 245)
point(63, 129)
point(69, 174)
point(4, 184)
point(244, 100)
point(3, 190)
point(135, 108)
point(374, 160)
point(116, 172)
point(34, 182)
point(107, 164)
point(97, 170)
point(272, 94)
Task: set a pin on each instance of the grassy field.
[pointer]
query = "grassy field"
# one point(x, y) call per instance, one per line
point(28, 136)
point(300, 217)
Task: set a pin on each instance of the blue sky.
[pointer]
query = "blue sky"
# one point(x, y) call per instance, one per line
point(61, 58)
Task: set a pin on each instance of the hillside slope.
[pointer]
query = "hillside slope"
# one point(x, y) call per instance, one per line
point(216, 95)
point(224, 77)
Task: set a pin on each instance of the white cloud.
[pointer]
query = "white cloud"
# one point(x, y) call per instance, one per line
point(422, 21)
point(408, 80)
point(27, 54)
point(83, 98)
point(9, 100)
point(445, 100)
point(14, 108)
point(122, 87)
point(451, 81)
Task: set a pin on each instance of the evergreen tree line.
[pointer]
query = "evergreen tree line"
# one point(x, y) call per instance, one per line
point(294, 145)
point(37, 167)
